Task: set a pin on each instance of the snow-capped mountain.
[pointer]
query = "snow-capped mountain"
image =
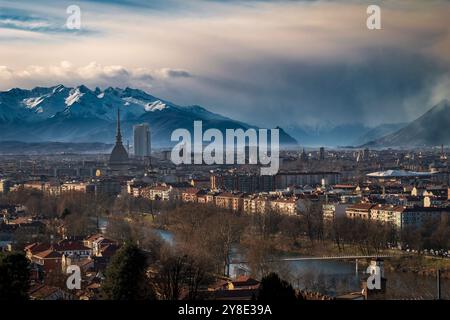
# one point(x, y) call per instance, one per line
point(80, 114)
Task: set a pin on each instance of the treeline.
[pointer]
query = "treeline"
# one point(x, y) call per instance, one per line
point(72, 213)
point(433, 234)
point(170, 274)
point(262, 237)
point(136, 274)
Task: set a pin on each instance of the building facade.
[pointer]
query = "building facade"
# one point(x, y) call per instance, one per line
point(142, 140)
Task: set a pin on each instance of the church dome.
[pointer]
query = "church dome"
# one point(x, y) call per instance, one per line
point(118, 155)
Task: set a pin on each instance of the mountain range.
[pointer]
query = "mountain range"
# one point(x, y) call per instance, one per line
point(329, 135)
point(81, 115)
point(64, 114)
point(430, 129)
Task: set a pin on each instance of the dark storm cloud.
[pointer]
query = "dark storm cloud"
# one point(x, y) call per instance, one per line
point(387, 86)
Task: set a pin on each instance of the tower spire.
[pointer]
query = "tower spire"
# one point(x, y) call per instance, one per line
point(118, 134)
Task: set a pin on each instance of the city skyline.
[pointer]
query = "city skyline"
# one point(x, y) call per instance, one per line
point(223, 157)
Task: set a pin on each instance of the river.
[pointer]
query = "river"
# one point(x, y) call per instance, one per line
point(337, 277)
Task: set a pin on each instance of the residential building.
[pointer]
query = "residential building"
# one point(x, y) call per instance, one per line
point(241, 182)
point(158, 192)
point(359, 210)
point(78, 186)
point(189, 195)
point(334, 210)
point(286, 179)
point(227, 200)
point(286, 206)
point(255, 204)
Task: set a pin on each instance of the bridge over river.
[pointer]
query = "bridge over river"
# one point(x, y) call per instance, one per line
point(242, 264)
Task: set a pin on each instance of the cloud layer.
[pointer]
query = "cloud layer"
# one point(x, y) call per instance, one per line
point(265, 62)
point(92, 74)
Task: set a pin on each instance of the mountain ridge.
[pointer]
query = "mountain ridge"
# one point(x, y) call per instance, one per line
point(79, 114)
point(430, 129)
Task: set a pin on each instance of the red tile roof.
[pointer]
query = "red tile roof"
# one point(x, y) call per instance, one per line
point(245, 281)
point(360, 206)
point(94, 237)
point(42, 291)
point(68, 245)
point(48, 254)
point(63, 245)
point(191, 190)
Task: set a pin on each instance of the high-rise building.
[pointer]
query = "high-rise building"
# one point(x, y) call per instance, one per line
point(322, 153)
point(142, 142)
point(304, 156)
point(443, 156)
point(366, 154)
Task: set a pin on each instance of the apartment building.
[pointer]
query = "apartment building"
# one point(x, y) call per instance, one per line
point(359, 210)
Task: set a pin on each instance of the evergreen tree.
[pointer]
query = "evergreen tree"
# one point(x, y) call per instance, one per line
point(125, 275)
point(14, 276)
point(272, 288)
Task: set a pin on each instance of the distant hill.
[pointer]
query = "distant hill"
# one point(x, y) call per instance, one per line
point(431, 129)
point(327, 134)
point(378, 132)
point(62, 114)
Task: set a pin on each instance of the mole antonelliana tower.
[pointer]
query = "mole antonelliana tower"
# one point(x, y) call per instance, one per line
point(118, 160)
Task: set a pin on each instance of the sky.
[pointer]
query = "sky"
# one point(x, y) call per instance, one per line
point(268, 63)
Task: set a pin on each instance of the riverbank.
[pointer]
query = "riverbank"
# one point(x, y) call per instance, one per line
point(420, 265)
point(400, 262)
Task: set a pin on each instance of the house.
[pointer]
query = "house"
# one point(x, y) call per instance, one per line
point(89, 241)
point(45, 292)
point(241, 288)
point(70, 247)
point(244, 282)
point(103, 246)
point(50, 255)
point(49, 260)
point(85, 264)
